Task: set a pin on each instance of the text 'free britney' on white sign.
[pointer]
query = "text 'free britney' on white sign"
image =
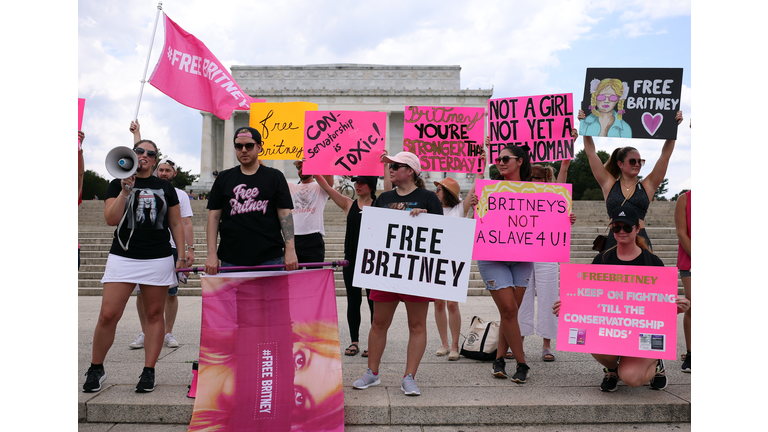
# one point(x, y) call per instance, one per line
point(427, 255)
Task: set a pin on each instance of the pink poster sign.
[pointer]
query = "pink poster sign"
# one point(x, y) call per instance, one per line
point(445, 139)
point(540, 124)
point(80, 110)
point(270, 358)
point(618, 310)
point(344, 142)
point(522, 221)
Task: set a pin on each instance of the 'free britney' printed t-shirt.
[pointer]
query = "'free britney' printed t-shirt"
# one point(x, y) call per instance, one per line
point(149, 216)
point(249, 226)
point(308, 205)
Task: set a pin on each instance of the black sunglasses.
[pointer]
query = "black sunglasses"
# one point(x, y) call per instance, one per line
point(617, 228)
point(249, 146)
point(396, 166)
point(634, 162)
point(140, 151)
point(505, 159)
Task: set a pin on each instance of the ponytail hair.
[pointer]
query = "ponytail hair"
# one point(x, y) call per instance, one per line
point(620, 154)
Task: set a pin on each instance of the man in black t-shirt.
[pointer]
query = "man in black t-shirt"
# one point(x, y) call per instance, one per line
point(250, 205)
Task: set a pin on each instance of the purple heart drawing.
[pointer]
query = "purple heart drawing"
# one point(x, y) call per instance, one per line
point(651, 123)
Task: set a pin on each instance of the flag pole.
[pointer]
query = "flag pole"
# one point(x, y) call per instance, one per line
point(146, 65)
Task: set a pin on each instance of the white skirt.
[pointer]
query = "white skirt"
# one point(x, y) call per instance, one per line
point(157, 271)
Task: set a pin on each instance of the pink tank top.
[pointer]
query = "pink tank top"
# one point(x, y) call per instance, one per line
point(683, 259)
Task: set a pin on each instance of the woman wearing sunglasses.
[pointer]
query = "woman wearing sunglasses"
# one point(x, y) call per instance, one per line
point(143, 207)
point(631, 250)
point(507, 280)
point(618, 178)
point(409, 195)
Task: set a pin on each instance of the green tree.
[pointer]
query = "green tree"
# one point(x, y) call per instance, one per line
point(581, 178)
point(677, 195)
point(659, 195)
point(184, 178)
point(94, 184)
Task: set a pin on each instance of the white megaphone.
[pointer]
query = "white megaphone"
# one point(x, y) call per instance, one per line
point(122, 162)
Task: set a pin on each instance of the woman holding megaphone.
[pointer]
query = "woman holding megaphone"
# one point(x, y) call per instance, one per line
point(143, 207)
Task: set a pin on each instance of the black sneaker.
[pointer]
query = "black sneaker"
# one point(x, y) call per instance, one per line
point(94, 377)
point(659, 381)
point(498, 368)
point(146, 381)
point(522, 371)
point(687, 363)
point(610, 380)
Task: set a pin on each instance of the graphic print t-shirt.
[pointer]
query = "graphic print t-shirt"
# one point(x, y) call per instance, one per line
point(148, 217)
point(249, 227)
point(419, 198)
point(308, 205)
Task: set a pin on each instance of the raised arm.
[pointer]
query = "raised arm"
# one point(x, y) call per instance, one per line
point(656, 176)
point(387, 182)
point(343, 202)
point(136, 131)
point(603, 177)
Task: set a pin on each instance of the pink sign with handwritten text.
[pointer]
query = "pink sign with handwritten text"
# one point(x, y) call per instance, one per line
point(344, 142)
point(618, 310)
point(447, 139)
point(522, 221)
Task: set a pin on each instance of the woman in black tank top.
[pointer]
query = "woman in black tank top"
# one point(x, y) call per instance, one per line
point(365, 188)
point(618, 178)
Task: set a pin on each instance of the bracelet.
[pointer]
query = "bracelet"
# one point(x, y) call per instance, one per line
point(190, 247)
point(121, 194)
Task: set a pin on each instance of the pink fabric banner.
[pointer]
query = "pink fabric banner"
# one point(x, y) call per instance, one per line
point(445, 139)
point(522, 221)
point(269, 353)
point(80, 110)
point(191, 75)
point(540, 124)
point(344, 142)
point(618, 310)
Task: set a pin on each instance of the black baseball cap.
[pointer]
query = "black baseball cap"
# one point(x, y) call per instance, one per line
point(625, 214)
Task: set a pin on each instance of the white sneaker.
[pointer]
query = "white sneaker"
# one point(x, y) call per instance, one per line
point(170, 341)
point(139, 342)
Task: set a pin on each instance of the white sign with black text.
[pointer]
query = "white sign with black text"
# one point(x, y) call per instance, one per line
point(427, 255)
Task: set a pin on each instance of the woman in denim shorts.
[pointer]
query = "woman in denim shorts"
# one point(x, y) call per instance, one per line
point(514, 165)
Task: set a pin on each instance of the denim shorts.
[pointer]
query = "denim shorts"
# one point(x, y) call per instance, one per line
point(505, 274)
point(685, 273)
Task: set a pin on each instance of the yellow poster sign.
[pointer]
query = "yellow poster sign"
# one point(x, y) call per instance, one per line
point(281, 125)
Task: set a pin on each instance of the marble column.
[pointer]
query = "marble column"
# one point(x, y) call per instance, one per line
point(229, 159)
point(207, 155)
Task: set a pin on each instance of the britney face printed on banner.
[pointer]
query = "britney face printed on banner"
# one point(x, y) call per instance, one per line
point(318, 397)
point(607, 105)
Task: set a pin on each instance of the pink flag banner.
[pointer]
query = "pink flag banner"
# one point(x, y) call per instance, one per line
point(80, 110)
point(618, 310)
point(191, 75)
point(344, 142)
point(447, 139)
point(270, 358)
point(540, 124)
point(522, 221)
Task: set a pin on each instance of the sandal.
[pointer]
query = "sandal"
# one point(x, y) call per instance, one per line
point(547, 355)
point(364, 354)
point(508, 355)
point(353, 349)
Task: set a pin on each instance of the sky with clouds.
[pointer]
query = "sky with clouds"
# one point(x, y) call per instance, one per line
point(518, 48)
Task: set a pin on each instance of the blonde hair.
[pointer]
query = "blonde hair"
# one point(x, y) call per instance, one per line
point(617, 87)
point(549, 172)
